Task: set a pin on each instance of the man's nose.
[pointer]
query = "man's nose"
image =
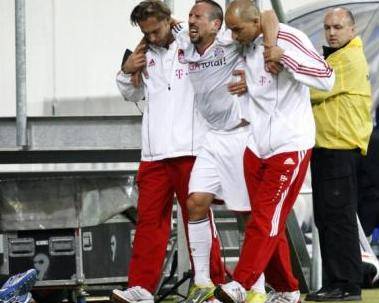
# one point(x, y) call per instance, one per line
point(152, 38)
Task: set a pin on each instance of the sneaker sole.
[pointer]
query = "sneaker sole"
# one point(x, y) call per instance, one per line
point(17, 299)
point(222, 296)
point(117, 299)
point(202, 298)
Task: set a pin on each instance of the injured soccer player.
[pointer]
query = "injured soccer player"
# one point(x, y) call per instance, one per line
point(214, 60)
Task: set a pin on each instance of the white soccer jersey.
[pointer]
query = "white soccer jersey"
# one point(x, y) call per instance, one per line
point(210, 74)
point(171, 125)
point(282, 113)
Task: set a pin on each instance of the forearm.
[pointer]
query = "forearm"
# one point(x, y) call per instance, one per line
point(270, 28)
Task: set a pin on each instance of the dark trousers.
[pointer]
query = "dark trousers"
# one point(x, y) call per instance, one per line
point(368, 195)
point(335, 188)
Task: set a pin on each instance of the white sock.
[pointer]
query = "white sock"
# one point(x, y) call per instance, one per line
point(200, 239)
point(259, 285)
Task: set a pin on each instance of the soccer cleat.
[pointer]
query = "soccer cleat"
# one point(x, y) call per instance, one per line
point(255, 297)
point(18, 285)
point(232, 292)
point(199, 294)
point(135, 294)
point(284, 297)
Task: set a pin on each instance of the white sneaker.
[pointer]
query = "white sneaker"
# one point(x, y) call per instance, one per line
point(18, 285)
point(135, 294)
point(231, 292)
point(284, 297)
point(25, 298)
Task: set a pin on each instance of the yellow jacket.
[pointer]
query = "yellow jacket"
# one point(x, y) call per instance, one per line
point(343, 118)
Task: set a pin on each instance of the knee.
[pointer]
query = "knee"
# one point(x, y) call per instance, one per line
point(198, 206)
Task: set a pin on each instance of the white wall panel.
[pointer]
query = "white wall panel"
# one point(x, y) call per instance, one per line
point(74, 48)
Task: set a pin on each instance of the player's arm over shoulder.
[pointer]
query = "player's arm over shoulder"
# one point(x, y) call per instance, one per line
point(270, 27)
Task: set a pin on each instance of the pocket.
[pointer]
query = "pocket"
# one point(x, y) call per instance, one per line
point(337, 187)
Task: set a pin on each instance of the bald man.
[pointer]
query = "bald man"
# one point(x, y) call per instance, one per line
point(343, 123)
point(278, 151)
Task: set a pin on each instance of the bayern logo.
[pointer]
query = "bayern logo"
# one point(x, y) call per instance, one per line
point(218, 52)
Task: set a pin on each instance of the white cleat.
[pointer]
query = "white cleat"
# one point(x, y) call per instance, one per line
point(284, 297)
point(231, 292)
point(135, 294)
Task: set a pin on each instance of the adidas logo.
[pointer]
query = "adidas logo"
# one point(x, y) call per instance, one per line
point(289, 161)
point(152, 62)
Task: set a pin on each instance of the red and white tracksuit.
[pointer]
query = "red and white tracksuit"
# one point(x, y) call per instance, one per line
point(171, 134)
point(278, 152)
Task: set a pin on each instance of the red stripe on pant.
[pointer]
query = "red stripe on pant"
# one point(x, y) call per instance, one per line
point(273, 185)
point(158, 181)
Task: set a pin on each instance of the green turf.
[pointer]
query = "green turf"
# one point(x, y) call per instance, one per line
point(368, 296)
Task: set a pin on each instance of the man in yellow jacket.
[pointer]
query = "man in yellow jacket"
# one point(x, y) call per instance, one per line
point(343, 128)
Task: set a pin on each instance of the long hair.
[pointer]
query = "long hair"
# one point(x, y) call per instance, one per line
point(150, 8)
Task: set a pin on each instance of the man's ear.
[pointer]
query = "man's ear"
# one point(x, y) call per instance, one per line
point(354, 30)
point(217, 23)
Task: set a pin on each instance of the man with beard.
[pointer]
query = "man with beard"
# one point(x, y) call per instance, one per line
point(218, 171)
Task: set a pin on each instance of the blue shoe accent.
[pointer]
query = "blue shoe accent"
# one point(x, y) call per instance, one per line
point(25, 298)
point(18, 285)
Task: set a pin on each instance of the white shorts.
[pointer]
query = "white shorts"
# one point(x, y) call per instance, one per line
point(218, 168)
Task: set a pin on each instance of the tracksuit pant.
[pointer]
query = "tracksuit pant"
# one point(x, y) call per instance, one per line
point(158, 181)
point(273, 185)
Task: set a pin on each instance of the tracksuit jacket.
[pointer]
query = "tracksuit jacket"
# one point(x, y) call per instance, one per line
point(171, 125)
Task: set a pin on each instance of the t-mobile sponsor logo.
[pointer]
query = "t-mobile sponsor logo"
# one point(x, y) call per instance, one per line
point(179, 73)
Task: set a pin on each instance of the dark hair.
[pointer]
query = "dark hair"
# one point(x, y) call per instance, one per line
point(150, 8)
point(216, 12)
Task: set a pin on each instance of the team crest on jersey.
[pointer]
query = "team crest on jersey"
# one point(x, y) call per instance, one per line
point(151, 63)
point(218, 52)
point(181, 55)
